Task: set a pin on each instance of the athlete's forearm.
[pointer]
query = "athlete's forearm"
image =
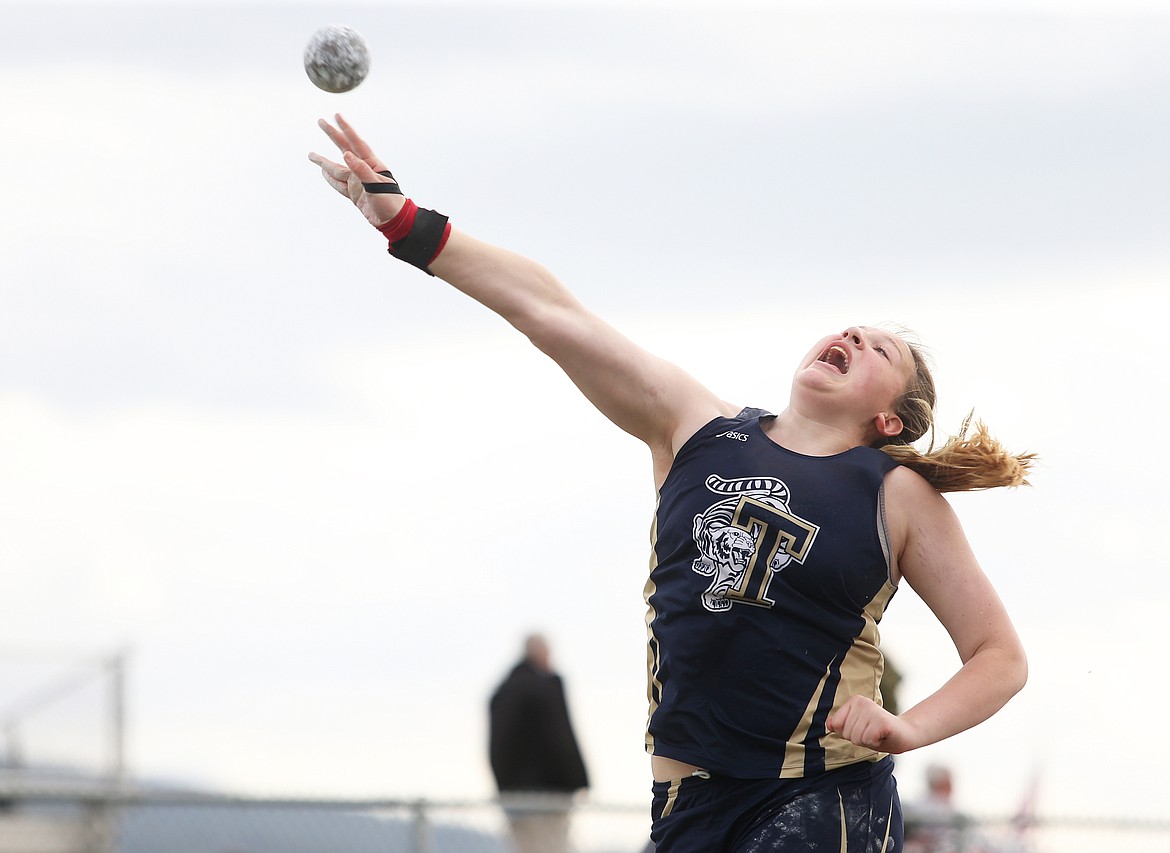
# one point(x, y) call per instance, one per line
point(517, 288)
point(982, 686)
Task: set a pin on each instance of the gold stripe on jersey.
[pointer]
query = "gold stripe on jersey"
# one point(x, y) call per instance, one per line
point(653, 659)
point(793, 767)
point(861, 674)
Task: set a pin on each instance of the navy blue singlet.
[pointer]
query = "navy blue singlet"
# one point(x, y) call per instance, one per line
point(769, 574)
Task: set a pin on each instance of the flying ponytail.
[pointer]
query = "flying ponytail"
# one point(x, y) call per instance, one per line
point(967, 462)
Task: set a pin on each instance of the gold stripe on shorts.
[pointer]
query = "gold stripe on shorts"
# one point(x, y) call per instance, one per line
point(671, 798)
point(885, 848)
point(844, 832)
point(889, 820)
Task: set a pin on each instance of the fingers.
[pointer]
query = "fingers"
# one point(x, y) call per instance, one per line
point(362, 169)
point(335, 174)
point(338, 137)
point(862, 722)
point(325, 163)
point(357, 144)
point(347, 139)
point(359, 169)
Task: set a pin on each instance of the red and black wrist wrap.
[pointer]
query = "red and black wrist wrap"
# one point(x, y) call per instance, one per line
point(417, 235)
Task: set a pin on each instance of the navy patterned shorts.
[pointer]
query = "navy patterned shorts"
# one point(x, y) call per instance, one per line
point(852, 809)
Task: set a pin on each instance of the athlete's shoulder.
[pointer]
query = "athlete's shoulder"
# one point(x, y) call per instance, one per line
point(731, 418)
point(878, 459)
point(751, 413)
point(906, 487)
point(727, 423)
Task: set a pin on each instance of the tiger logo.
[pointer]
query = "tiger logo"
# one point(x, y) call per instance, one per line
point(745, 539)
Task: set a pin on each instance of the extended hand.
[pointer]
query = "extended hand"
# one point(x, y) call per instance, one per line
point(361, 166)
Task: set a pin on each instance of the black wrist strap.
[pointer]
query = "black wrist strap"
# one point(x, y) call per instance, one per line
point(391, 188)
point(419, 246)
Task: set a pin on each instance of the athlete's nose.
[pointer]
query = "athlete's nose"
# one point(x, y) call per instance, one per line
point(853, 334)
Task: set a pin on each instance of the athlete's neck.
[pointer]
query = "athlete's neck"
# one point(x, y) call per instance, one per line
point(810, 437)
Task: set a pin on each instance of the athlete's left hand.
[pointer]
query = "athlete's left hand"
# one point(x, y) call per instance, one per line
point(864, 722)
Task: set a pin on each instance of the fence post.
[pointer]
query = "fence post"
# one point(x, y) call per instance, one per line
point(99, 827)
point(420, 831)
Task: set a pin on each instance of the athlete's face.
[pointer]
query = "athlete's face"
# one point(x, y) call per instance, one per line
point(863, 368)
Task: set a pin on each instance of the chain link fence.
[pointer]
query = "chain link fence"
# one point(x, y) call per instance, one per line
point(113, 819)
point(124, 821)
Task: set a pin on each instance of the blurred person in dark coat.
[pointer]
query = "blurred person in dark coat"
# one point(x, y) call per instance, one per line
point(534, 754)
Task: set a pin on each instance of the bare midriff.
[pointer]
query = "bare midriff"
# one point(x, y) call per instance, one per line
point(668, 769)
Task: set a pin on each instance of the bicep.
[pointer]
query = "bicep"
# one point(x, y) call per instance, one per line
point(648, 397)
point(643, 394)
point(936, 559)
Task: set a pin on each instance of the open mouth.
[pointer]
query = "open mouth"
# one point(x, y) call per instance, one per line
point(836, 356)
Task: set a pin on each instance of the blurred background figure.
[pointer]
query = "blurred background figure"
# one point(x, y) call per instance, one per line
point(935, 825)
point(534, 754)
point(932, 824)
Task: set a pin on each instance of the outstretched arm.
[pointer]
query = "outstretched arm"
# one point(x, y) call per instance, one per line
point(937, 562)
point(646, 396)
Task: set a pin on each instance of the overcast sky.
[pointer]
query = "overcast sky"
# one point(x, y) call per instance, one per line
point(320, 497)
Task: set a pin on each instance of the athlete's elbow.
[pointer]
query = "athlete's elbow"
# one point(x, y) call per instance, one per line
point(1023, 672)
point(1015, 671)
point(547, 319)
point(1005, 666)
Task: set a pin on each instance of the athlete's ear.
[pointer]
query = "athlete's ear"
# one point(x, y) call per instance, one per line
point(887, 424)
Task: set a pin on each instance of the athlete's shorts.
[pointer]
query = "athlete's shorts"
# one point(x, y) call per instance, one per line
point(852, 809)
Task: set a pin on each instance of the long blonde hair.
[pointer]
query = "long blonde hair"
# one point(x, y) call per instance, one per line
point(966, 462)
